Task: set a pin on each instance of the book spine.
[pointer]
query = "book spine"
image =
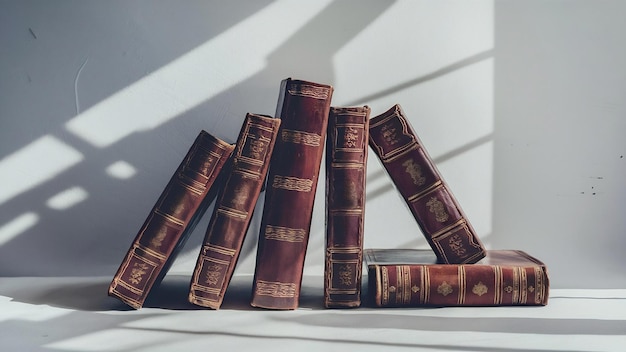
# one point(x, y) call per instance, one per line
point(171, 220)
point(233, 211)
point(291, 184)
point(346, 160)
point(428, 196)
point(458, 285)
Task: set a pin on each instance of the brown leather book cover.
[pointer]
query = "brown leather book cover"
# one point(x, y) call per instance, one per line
point(412, 278)
point(176, 212)
point(292, 180)
point(233, 211)
point(434, 207)
point(346, 161)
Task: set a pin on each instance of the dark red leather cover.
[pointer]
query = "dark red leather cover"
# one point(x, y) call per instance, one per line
point(171, 220)
point(411, 278)
point(294, 169)
point(440, 217)
point(233, 211)
point(346, 160)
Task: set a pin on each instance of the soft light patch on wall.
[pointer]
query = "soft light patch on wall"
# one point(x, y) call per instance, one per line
point(17, 226)
point(121, 169)
point(35, 164)
point(67, 199)
point(194, 77)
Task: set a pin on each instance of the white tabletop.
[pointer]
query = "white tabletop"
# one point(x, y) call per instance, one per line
point(74, 314)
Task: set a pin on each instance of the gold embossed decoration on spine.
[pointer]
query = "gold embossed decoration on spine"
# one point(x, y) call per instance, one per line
point(413, 278)
point(432, 204)
point(171, 220)
point(346, 159)
point(290, 194)
point(233, 210)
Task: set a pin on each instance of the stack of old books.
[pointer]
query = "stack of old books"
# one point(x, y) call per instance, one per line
point(284, 153)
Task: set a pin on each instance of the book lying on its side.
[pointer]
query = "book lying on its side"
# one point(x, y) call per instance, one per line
point(413, 278)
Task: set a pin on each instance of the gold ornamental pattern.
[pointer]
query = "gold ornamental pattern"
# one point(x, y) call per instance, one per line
point(479, 289)
point(437, 207)
point(310, 91)
point(415, 171)
point(286, 234)
point(345, 275)
point(445, 289)
point(300, 137)
point(137, 273)
point(292, 183)
point(275, 289)
point(213, 275)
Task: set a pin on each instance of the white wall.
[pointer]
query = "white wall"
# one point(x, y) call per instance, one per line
point(560, 109)
point(517, 102)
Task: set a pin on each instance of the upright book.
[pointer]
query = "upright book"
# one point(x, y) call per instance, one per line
point(346, 160)
point(291, 184)
point(233, 211)
point(412, 278)
point(176, 212)
point(434, 207)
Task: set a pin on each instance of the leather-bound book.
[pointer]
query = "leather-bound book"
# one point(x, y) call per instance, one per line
point(412, 278)
point(346, 160)
point(176, 212)
point(292, 180)
point(233, 211)
point(428, 196)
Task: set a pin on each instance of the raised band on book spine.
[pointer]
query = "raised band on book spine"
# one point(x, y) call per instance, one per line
point(346, 159)
point(435, 209)
point(292, 181)
point(171, 220)
point(233, 211)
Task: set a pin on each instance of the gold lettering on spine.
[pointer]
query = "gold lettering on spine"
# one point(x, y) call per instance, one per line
point(292, 183)
point(306, 90)
point(275, 289)
point(300, 137)
point(280, 233)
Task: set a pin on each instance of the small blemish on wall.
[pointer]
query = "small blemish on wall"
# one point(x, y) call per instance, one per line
point(32, 33)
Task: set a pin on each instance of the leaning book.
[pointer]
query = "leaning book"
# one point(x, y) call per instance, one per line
point(413, 278)
point(171, 220)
